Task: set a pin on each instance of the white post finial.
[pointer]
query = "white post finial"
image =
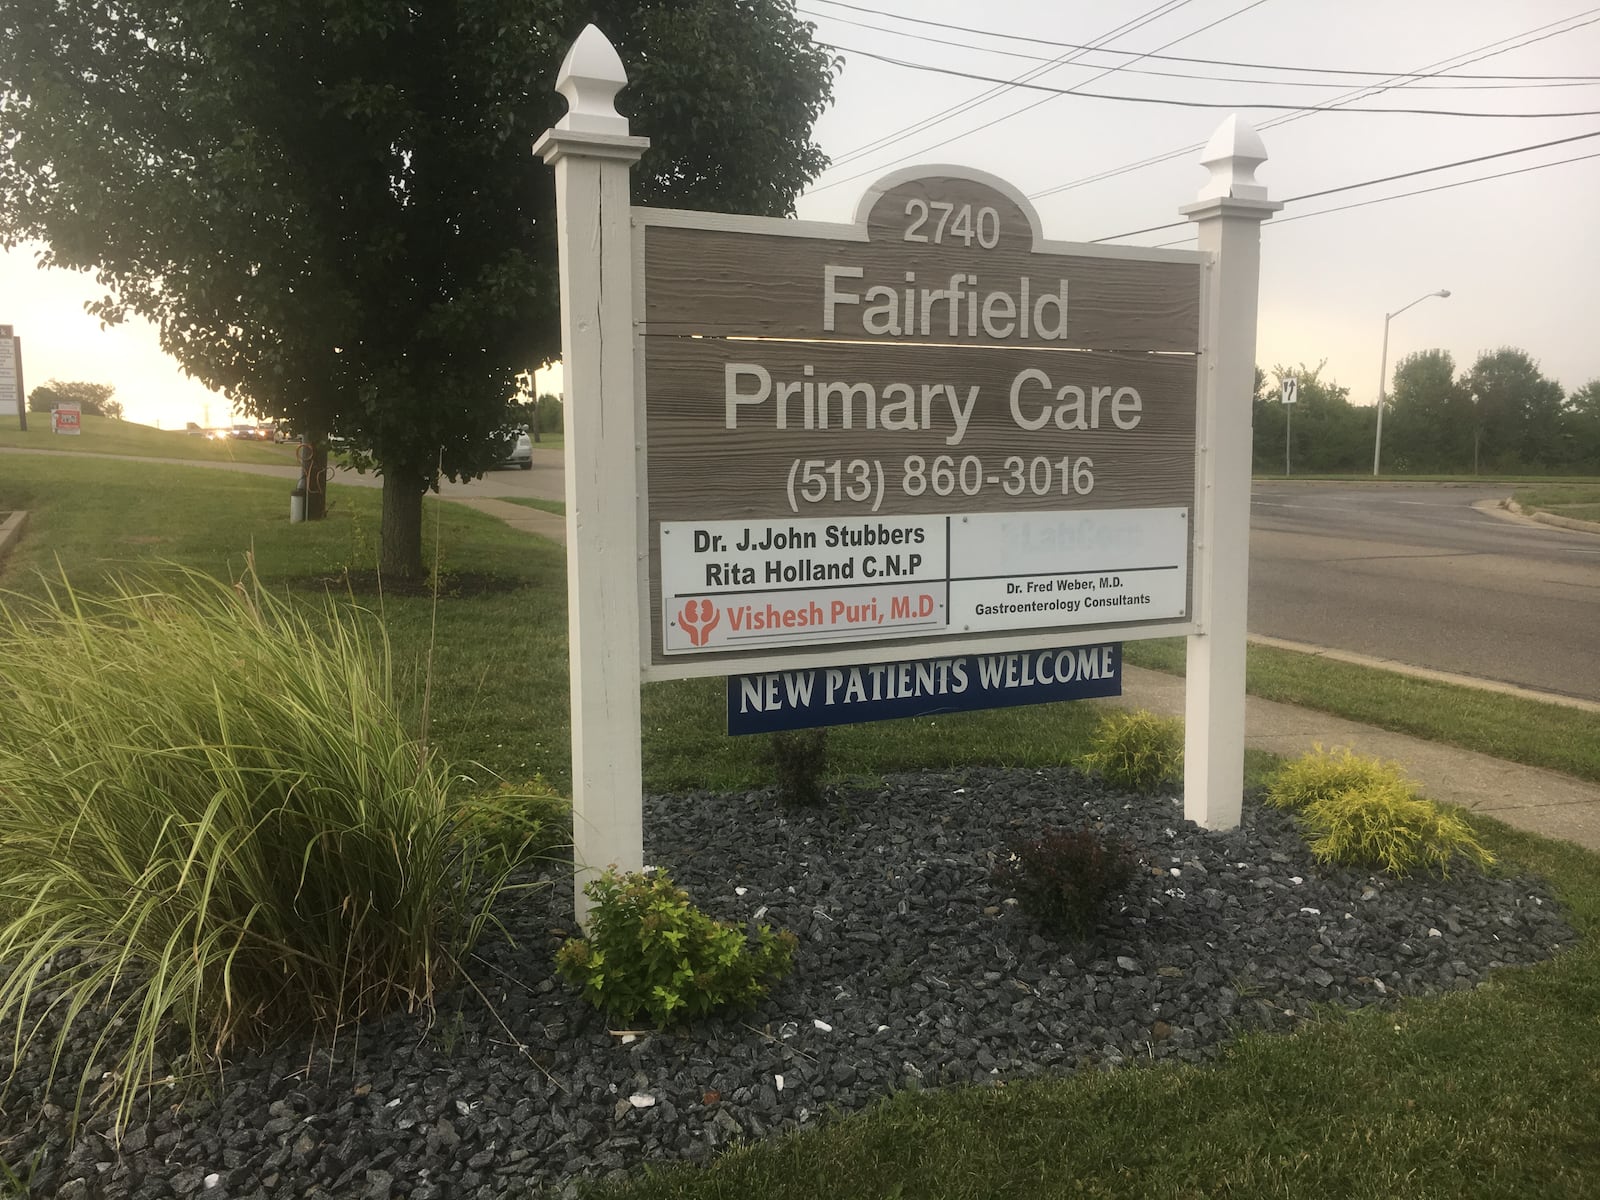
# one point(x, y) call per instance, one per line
point(1232, 155)
point(590, 78)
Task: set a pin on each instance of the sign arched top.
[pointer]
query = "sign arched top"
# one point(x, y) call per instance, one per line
point(949, 242)
point(943, 206)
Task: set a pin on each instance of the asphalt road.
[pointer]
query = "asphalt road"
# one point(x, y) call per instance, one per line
point(546, 480)
point(1415, 573)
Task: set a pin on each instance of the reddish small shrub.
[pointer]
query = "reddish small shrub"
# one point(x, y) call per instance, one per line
point(1064, 878)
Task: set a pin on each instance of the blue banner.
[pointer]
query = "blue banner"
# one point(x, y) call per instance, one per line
point(812, 696)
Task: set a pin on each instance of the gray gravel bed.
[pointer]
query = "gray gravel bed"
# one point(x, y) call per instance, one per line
point(913, 971)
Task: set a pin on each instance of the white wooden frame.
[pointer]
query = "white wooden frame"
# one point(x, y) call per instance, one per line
point(601, 242)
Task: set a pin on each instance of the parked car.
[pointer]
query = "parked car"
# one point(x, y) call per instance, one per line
point(520, 453)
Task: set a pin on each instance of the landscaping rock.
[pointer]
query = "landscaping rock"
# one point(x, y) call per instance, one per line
point(928, 974)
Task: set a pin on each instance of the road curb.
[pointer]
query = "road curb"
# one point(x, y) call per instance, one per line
point(11, 531)
point(1399, 668)
point(1560, 522)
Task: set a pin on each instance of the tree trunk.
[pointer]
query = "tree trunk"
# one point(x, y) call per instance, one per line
point(400, 537)
point(316, 473)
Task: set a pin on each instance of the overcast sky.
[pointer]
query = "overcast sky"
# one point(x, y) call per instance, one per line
point(1520, 254)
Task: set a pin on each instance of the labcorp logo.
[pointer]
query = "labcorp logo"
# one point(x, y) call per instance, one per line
point(698, 618)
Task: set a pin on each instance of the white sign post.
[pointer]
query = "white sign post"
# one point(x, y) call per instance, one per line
point(941, 533)
point(12, 400)
point(1290, 391)
point(1229, 212)
point(592, 154)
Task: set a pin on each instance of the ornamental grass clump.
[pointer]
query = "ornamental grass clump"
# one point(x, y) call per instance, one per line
point(651, 951)
point(1136, 750)
point(1385, 826)
point(214, 827)
point(1324, 774)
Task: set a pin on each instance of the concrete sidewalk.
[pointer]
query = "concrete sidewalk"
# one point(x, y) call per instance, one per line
point(1529, 798)
point(519, 516)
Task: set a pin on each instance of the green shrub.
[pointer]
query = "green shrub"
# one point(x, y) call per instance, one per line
point(1065, 878)
point(1136, 750)
point(650, 950)
point(799, 757)
point(213, 825)
point(1384, 825)
point(514, 823)
point(1323, 774)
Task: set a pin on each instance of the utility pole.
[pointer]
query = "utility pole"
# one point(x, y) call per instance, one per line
point(1476, 430)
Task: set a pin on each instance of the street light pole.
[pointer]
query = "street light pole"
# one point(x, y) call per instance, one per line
point(1476, 429)
point(1383, 370)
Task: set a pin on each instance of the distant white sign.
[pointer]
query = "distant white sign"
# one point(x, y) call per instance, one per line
point(10, 395)
point(1291, 390)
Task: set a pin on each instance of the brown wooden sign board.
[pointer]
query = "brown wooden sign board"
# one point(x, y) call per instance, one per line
point(936, 362)
point(733, 283)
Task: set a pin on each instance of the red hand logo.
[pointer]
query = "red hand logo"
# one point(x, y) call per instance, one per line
point(698, 618)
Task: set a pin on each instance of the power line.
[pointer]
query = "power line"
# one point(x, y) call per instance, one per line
point(1443, 187)
point(1350, 187)
point(1127, 69)
point(1487, 50)
point(1234, 105)
point(918, 126)
point(1214, 62)
point(1028, 107)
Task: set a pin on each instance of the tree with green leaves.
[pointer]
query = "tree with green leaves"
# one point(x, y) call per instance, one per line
point(92, 398)
point(1520, 411)
point(1329, 432)
point(1580, 428)
point(1431, 419)
point(330, 208)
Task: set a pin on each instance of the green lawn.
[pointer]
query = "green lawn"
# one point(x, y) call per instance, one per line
point(101, 435)
point(1484, 479)
point(1580, 501)
point(499, 667)
point(1490, 1093)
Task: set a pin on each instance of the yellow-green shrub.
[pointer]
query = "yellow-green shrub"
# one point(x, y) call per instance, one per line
point(1384, 825)
point(650, 950)
point(1136, 750)
point(1327, 773)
